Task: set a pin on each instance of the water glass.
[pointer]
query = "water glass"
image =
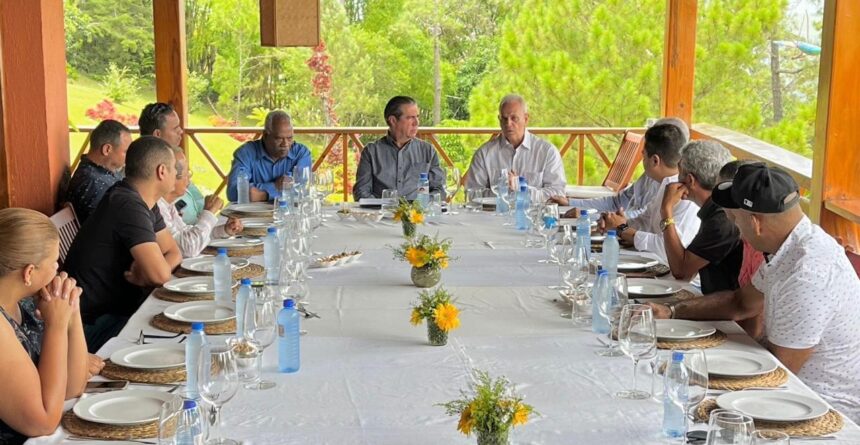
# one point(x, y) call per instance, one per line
point(389, 201)
point(610, 308)
point(434, 208)
point(261, 329)
point(474, 199)
point(726, 427)
point(770, 437)
point(637, 335)
point(168, 417)
point(453, 182)
point(581, 312)
point(218, 381)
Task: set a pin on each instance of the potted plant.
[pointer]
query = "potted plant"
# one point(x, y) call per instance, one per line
point(438, 309)
point(409, 214)
point(428, 256)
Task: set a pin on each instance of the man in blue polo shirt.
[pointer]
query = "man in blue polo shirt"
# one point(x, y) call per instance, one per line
point(268, 161)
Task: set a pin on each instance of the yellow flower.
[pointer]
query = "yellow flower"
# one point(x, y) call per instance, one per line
point(416, 317)
point(521, 414)
point(416, 217)
point(446, 316)
point(438, 254)
point(416, 257)
point(466, 422)
point(398, 215)
point(443, 263)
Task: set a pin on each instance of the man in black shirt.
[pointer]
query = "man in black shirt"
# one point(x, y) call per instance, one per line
point(124, 248)
point(716, 252)
point(100, 168)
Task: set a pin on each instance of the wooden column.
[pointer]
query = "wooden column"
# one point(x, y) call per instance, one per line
point(679, 60)
point(34, 147)
point(836, 161)
point(171, 66)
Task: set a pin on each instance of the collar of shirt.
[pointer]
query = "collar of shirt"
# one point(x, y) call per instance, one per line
point(797, 234)
point(527, 143)
point(709, 209)
point(392, 142)
point(668, 180)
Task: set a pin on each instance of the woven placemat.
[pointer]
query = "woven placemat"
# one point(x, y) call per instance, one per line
point(160, 321)
point(80, 427)
point(772, 379)
point(255, 231)
point(650, 272)
point(827, 424)
point(174, 297)
point(250, 271)
point(242, 252)
point(715, 339)
point(117, 372)
point(228, 213)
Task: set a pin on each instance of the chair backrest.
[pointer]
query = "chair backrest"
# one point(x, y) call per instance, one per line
point(628, 157)
point(67, 225)
point(855, 260)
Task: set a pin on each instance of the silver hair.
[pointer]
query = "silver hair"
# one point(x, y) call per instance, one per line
point(678, 122)
point(511, 98)
point(704, 159)
point(275, 116)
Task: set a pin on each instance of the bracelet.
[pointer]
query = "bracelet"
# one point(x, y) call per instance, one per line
point(671, 307)
point(621, 228)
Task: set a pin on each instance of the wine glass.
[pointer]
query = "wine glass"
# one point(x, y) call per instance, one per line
point(637, 335)
point(260, 327)
point(218, 381)
point(546, 223)
point(688, 392)
point(168, 418)
point(727, 427)
point(453, 181)
point(610, 308)
point(770, 437)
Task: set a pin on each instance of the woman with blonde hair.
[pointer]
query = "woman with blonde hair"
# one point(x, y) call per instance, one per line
point(44, 354)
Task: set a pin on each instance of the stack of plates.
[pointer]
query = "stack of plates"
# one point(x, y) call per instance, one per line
point(774, 406)
point(206, 264)
point(199, 311)
point(125, 407)
point(682, 330)
point(157, 356)
point(649, 287)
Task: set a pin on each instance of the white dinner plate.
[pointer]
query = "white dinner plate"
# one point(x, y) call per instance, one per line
point(262, 208)
point(125, 407)
point(236, 243)
point(649, 287)
point(597, 238)
point(773, 406)
point(372, 201)
point(154, 356)
point(680, 330)
point(627, 263)
point(257, 223)
point(487, 200)
point(192, 285)
point(206, 263)
point(738, 363)
point(202, 311)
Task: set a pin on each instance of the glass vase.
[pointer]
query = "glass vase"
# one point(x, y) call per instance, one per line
point(408, 228)
point(435, 334)
point(426, 276)
point(493, 438)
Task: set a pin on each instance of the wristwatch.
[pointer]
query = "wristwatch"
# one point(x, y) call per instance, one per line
point(621, 228)
point(664, 224)
point(671, 307)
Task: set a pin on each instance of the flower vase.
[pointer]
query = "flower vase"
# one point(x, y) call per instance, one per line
point(408, 228)
point(493, 438)
point(426, 276)
point(435, 334)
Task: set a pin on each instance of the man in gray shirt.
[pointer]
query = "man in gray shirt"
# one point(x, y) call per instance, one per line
point(397, 159)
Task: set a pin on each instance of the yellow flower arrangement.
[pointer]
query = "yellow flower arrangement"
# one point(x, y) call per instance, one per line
point(410, 212)
point(493, 407)
point(424, 251)
point(436, 305)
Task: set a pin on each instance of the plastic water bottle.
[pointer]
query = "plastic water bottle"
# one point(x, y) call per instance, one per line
point(288, 337)
point(674, 420)
point(600, 291)
point(241, 299)
point(189, 425)
point(583, 231)
point(196, 341)
point(610, 255)
point(272, 254)
point(223, 273)
point(522, 206)
point(243, 186)
point(423, 196)
point(502, 206)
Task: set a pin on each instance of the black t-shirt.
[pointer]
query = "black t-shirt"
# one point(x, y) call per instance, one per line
point(101, 252)
point(719, 242)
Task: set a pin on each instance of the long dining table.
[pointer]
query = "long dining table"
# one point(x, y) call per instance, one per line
point(369, 377)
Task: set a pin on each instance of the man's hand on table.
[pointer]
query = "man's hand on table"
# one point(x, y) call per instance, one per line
point(233, 226)
point(611, 220)
point(94, 365)
point(660, 311)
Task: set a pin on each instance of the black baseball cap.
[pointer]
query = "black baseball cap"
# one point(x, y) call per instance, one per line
point(758, 188)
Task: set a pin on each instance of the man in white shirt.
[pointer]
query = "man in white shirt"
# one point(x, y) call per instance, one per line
point(807, 291)
point(520, 153)
point(192, 239)
point(660, 156)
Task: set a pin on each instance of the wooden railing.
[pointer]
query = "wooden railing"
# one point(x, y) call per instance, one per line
point(349, 140)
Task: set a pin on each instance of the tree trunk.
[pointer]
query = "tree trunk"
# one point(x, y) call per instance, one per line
point(776, 85)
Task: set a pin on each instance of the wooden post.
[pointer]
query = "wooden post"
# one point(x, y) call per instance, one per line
point(679, 60)
point(34, 147)
point(290, 23)
point(836, 161)
point(171, 67)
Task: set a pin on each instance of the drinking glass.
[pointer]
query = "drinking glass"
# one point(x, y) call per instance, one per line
point(637, 335)
point(453, 181)
point(302, 175)
point(726, 427)
point(474, 197)
point(770, 437)
point(389, 201)
point(218, 381)
point(168, 417)
point(260, 327)
point(434, 208)
point(610, 308)
point(546, 223)
point(689, 393)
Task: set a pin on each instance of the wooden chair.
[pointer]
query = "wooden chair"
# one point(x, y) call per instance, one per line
point(620, 173)
point(67, 225)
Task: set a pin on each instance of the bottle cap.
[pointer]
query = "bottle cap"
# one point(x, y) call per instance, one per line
point(283, 203)
point(189, 404)
point(222, 251)
point(599, 268)
point(423, 175)
point(677, 356)
point(289, 303)
point(272, 230)
point(523, 187)
point(610, 233)
point(246, 281)
point(197, 326)
point(602, 272)
point(583, 213)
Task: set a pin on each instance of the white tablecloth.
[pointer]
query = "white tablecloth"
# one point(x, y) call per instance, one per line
point(369, 377)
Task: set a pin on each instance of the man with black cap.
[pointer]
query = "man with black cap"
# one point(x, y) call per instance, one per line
point(807, 291)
